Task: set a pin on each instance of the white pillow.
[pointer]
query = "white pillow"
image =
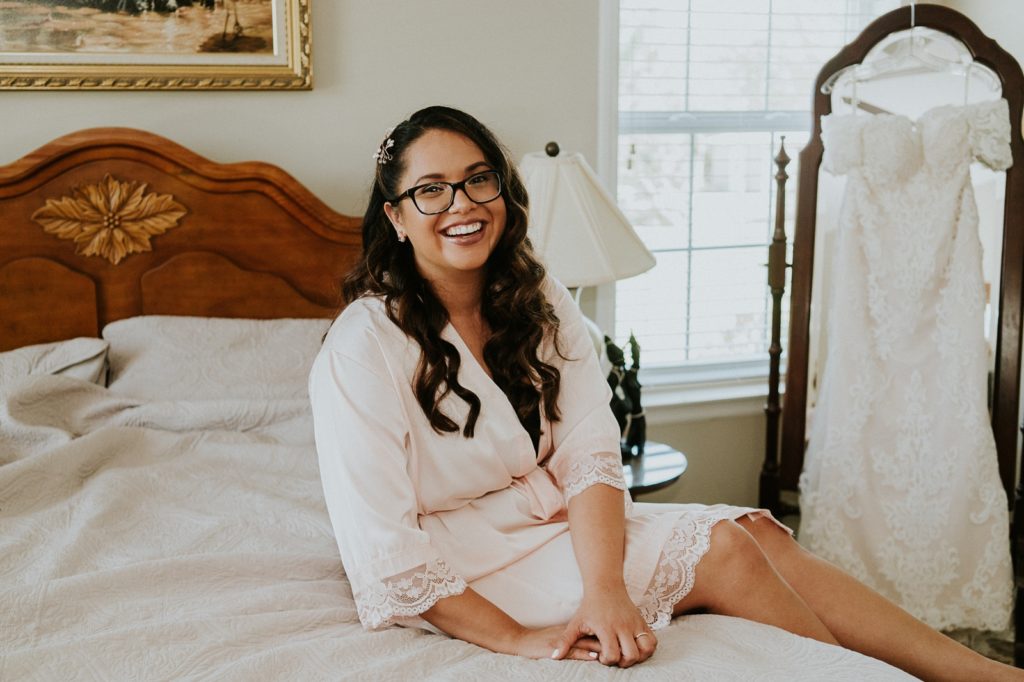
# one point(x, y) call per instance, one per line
point(82, 358)
point(158, 357)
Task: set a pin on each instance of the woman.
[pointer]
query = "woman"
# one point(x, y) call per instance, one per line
point(470, 460)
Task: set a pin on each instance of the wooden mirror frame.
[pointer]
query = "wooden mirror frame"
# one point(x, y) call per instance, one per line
point(784, 458)
point(1011, 295)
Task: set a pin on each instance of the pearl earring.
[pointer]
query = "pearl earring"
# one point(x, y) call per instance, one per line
point(401, 237)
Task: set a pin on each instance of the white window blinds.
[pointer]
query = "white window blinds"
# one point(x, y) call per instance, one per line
point(706, 88)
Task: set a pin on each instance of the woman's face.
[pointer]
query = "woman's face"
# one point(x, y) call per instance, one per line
point(456, 242)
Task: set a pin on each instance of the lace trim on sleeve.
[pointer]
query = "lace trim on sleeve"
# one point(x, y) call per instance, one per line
point(601, 468)
point(407, 594)
point(840, 135)
point(989, 132)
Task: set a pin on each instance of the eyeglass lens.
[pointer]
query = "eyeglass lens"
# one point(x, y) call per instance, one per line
point(439, 196)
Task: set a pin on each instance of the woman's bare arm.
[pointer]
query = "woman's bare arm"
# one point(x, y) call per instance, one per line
point(472, 618)
point(597, 524)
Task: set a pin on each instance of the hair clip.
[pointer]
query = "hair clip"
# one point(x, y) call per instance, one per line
point(383, 155)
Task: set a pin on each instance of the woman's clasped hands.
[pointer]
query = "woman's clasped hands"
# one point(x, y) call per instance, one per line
point(608, 628)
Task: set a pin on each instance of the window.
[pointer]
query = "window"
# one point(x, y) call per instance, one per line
point(706, 90)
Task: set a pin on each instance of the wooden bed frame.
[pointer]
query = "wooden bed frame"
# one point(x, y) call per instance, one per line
point(109, 223)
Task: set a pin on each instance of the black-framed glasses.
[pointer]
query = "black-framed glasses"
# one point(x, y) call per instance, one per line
point(438, 197)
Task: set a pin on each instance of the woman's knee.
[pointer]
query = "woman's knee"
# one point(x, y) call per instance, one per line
point(732, 562)
point(773, 540)
point(734, 553)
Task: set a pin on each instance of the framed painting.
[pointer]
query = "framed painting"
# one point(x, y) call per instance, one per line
point(155, 45)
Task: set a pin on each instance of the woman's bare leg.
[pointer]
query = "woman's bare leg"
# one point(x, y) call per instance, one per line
point(736, 578)
point(865, 621)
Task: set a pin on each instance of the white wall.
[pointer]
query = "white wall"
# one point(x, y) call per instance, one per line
point(527, 69)
point(725, 457)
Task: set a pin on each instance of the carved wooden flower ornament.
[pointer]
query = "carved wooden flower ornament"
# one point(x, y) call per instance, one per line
point(111, 219)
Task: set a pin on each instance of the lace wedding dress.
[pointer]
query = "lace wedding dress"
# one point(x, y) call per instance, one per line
point(901, 485)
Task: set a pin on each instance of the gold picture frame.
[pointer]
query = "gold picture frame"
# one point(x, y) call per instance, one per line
point(155, 45)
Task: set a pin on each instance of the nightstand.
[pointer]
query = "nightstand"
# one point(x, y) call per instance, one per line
point(659, 467)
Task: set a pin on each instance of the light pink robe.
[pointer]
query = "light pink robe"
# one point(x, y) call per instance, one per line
point(419, 515)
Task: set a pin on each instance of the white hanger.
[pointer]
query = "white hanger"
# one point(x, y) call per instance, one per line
point(911, 55)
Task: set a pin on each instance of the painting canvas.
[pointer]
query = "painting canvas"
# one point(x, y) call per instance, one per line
point(154, 44)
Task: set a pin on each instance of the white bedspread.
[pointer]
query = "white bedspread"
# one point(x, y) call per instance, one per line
point(177, 540)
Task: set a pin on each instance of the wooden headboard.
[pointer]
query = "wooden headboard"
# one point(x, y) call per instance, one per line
point(109, 223)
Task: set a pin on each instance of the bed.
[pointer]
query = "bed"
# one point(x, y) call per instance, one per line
point(161, 515)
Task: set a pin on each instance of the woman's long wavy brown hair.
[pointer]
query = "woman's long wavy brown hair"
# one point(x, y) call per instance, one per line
point(513, 303)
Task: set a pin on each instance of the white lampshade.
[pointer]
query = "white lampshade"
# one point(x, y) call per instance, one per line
point(575, 226)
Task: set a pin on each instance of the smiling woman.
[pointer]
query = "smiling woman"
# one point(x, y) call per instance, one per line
point(445, 184)
point(454, 222)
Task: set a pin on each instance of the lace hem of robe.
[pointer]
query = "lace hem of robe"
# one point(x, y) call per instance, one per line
point(677, 565)
point(407, 594)
point(602, 468)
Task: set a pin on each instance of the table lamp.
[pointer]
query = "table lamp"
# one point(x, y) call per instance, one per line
point(575, 225)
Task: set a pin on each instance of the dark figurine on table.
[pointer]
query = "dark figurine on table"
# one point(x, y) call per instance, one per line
point(625, 401)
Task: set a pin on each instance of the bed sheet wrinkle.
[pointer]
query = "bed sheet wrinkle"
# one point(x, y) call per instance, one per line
point(168, 541)
point(82, 358)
